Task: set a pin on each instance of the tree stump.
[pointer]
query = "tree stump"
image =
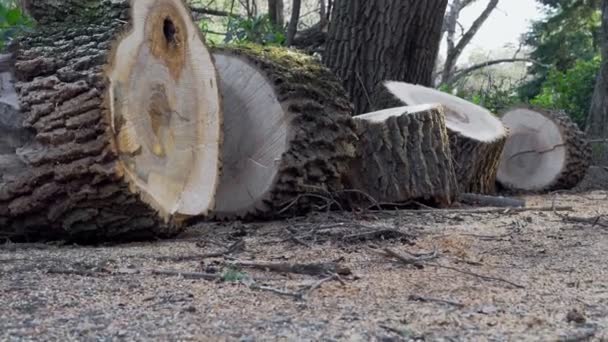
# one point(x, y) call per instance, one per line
point(403, 155)
point(119, 128)
point(546, 151)
point(288, 131)
point(477, 137)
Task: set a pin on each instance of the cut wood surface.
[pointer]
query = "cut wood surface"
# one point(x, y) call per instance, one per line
point(546, 151)
point(119, 127)
point(477, 137)
point(403, 155)
point(288, 130)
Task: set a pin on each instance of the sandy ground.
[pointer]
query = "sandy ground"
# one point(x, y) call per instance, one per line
point(501, 276)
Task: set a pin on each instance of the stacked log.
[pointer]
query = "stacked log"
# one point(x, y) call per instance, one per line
point(546, 151)
point(477, 137)
point(117, 135)
point(404, 155)
point(288, 131)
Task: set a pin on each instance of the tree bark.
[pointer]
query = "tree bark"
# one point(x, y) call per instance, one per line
point(555, 157)
point(64, 173)
point(276, 12)
point(404, 155)
point(597, 121)
point(289, 132)
point(374, 41)
point(292, 30)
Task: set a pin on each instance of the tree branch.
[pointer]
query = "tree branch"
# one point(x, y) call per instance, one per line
point(462, 73)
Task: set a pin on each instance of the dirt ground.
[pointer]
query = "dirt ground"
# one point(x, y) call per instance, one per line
point(469, 276)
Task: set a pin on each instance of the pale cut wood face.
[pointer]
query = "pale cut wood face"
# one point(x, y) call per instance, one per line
point(256, 130)
point(462, 116)
point(165, 109)
point(535, 153)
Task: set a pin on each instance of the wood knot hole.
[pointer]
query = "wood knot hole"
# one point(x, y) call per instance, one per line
point(169, 31)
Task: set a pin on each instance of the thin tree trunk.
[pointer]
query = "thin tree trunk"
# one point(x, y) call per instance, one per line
point(597, 121)
point(293, 23)
point(275, 11)
point(456, 49)
point(373, 41)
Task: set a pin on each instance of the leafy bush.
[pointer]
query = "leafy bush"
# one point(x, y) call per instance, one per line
point(12, 21)
point(259, 30)
point(494, 98)
point(571, 90)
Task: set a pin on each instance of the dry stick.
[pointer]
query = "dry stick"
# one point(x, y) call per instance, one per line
point(188, 275)
point(307, 269)
point(417, 298)
point(481, 276)
point(492, 201)
point(319, 283)
point(424, 261)
point(489, 211)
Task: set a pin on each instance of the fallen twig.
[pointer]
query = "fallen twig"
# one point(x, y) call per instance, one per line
point(188, 275)
point(488, 211)
point(316, 269)
point(492, 201)
point(481, 276)
point(417, 298)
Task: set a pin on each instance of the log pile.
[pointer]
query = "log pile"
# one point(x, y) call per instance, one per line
point(116, 122)
point(288, 131)
point(403, 155)
point(545, 152)
point(118, 131)
point(477, 137)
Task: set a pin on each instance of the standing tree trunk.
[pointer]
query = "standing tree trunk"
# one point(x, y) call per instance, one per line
point(276, 12)
point(118, 131)
point(374, 41)
point(292, 30)
point(597, 121)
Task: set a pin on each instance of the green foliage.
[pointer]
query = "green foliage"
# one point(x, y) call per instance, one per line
point(570, 90)
point(259, 30)
point(12, 21)
point(569, 33)
point(496, 97)
point(233, 275)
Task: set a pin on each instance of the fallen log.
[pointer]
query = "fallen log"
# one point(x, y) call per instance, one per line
point(403, 154)
point(477, 137)
point(119, 124)
point(288, 131)
point(546, 151)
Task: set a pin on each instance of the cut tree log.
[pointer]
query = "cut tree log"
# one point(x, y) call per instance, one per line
point(119, 128)
point(288, 131)
point(546, 151)
point(477, 137)
point(404, 155)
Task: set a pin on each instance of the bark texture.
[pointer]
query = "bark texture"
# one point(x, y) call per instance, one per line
point(404, 156)
point(597, 121)
point(373, 41)
point(320, 130)
point(65, 181)
point(476, 162)
point(577, 157)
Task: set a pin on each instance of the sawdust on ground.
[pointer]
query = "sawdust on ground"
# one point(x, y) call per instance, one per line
point(533, 276)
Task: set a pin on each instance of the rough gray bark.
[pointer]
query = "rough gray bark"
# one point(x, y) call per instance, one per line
point(61, 178)
point(276, 12)
point(597, 121)
point(405, 156)
point(319, 132)
point(374, 41)
point(292, 29)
